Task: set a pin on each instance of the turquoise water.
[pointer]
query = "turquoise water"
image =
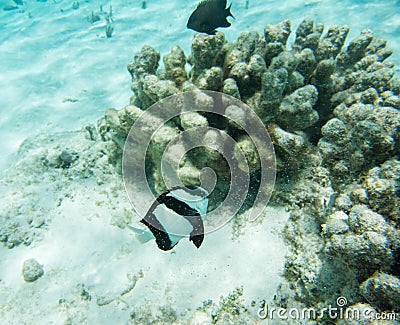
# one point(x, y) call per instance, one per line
point(59, 73)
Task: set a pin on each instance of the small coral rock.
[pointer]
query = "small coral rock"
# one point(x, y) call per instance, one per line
point(363, 219)
point(32, 270)
point(66, 158)
point(366, 252)
point(336, 224)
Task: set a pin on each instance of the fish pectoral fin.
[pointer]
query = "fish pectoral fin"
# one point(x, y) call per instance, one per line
point(145, 237)
point(142, 235)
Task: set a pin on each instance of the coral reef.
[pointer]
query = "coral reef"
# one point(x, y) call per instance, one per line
point(295, 92)
point(332, 112)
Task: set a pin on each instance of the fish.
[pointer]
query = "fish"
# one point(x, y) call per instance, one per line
point(175, 214)
point(209, 15)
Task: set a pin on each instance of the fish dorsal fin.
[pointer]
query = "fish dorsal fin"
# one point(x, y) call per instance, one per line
point(228, 12)
point(219, 3)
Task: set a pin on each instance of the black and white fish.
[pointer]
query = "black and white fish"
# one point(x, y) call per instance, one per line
point(175, 214)
point(209, 15)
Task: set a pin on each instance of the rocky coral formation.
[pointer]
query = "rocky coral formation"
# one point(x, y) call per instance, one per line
point(359, 136)
point(295, 92)
point(382, 290)
point(344, 243)
point(366, 245)
point(364, 231)
point(340, 246)
point(332, 112)
point(147, 87)
point(362, 130)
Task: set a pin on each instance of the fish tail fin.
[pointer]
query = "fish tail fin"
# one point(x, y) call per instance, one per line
point(228, 11)
point(142, 235)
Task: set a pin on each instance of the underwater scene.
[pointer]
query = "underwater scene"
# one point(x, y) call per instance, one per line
point(200, 162)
